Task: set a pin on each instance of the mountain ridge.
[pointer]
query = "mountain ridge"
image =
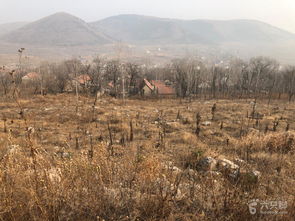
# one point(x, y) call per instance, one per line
point(59, 29)
point(130, 26)
point(63, 33)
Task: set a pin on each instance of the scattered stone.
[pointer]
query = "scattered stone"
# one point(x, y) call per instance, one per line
point(228, 168)
point(191, 173)
point(54, 175)
point(48, 109)
point(64, 155)
point(12, 149)
point(31, 130)
point(206, 123)
point(239, 161)
point(175, 170)
point(224, 163)
point(206, 164)
point(256, 173)
point(213, 174)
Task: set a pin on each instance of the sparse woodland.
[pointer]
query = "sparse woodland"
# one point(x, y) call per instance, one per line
point(84, 153)
point(260, 77)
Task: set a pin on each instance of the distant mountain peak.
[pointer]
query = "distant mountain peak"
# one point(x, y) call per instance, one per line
point(59, 29)
point(62, 15)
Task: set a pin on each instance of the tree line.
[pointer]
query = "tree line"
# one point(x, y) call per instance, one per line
point(260, 76)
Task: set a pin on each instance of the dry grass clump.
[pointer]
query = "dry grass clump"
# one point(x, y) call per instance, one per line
point(281, 143)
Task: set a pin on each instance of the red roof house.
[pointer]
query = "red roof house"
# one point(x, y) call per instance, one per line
point(31, 76)
point(163, 89)
point(157, 87)
point(83, 79)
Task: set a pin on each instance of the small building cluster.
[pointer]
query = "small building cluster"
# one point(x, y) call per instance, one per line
point(143, 87)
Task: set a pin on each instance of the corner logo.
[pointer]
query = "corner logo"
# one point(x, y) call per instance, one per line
point(267, 207)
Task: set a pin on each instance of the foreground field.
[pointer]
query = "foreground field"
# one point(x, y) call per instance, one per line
point(145, 159)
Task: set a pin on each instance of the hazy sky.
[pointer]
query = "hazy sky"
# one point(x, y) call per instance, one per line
point(280, 13)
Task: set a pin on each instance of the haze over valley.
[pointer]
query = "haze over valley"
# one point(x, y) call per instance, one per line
point(144, 37)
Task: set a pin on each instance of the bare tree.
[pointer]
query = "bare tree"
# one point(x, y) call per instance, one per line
point(261, 69)
point(213, 83)
point(73, 67)
point(181, 77)
point(133, 71)
point(289, 82)
point(61, 76)
point(194, 68)
point(113, 74)
point(96, 75)
point(5, 80)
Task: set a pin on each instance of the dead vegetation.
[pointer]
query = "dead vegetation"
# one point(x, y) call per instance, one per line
point(144, 159)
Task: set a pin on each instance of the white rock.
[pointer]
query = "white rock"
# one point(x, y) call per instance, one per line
point(224, 163)
point(206, 164)
point(228, 168)
point(206, 123)
point(256, 173)
point(175, 170)
point(54, 175)
point(239, 161)
point(213, 173)
point(192, 172)
point(31, 130)
point(13, 149)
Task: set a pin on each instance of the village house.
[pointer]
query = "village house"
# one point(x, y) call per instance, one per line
point(31, 76)
point(83, 81)
point(148, 89)
point(32, 82)
point(158, 88)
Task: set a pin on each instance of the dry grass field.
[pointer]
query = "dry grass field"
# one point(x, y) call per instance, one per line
point(145, 159)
